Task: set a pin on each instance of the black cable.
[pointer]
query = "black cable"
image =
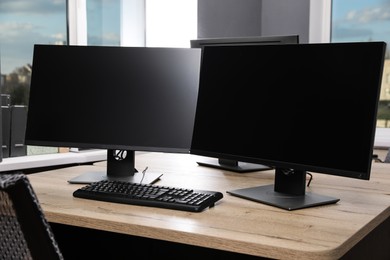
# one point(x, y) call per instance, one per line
point(311, 177)
point(375, 157)
point(143, 174)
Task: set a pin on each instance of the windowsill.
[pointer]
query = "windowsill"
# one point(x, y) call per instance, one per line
point(382, 138)
point(47, 160)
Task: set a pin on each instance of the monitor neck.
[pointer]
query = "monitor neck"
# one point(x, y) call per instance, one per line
point(290, 181)
point(120, 163)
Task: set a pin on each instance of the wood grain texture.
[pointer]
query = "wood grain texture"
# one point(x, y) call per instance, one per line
point(234, 224)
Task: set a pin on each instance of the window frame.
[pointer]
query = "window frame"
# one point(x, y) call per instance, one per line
point(77, 22)
point(133, 30)
point(133, 33)
point(132, 23)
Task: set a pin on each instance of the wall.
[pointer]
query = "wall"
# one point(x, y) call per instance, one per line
point(233, 18)
point(282, 17)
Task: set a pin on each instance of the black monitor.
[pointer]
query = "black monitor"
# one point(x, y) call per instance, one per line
point(250, 40)
point(123, 99)
point(299, 108)
point(229, 164)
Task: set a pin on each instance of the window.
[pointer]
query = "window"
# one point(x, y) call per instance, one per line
point(152, 23)
point(23, 24)
point(361, 20)
point(171, 23)
point(365, 20)
point(84, 22)
point(103, 22)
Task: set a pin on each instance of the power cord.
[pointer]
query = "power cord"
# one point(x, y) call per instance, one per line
point(376, 158)
point(310, 179)
point(143, 174)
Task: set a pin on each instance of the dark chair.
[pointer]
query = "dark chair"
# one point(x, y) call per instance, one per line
point(24, 230)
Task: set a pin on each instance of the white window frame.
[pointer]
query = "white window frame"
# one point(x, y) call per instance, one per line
point(77, 22)
point(320, 21)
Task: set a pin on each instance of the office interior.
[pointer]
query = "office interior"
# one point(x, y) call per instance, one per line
point(216, 18)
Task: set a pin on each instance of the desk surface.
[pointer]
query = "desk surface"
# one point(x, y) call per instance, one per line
point(234, 224)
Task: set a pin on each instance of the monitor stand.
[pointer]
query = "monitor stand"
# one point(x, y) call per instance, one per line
point(233, 165)
point(288, 192)
point(120, 166)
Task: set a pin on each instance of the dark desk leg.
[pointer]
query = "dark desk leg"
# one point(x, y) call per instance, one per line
point(374, 246)
point(84, 243)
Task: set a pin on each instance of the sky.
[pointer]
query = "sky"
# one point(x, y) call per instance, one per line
point(26, 22)
point(361, 20)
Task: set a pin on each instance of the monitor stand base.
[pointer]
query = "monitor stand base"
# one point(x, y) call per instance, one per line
point(138, 177)
point(267, 195)
point(234, 166)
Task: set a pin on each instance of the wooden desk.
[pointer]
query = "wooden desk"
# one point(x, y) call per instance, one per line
point(234, 224)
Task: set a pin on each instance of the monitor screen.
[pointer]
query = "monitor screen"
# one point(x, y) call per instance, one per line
point(230, 164)
point(122, 99)
point(298, 107)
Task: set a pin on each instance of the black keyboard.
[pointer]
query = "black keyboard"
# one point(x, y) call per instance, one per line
point(149, 195)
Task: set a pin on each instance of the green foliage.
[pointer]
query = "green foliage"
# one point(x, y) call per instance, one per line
point(384, 110)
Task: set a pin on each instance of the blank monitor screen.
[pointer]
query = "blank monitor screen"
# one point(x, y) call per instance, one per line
point(115, 98)
point(298, 108)
point(229, 164)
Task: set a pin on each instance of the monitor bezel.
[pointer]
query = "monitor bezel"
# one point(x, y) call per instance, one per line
point(289, 188)
point(118, 167)
point(365, 175)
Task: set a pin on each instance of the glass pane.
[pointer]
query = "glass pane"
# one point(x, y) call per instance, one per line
point(366, 20)
point(23, 24)
point(171, 23)
point(103, 22)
